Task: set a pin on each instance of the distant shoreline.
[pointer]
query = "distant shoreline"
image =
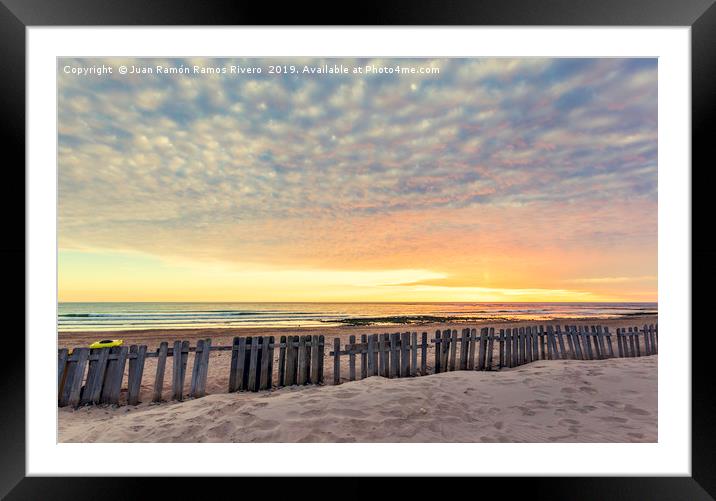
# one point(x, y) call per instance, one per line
point(153, 336)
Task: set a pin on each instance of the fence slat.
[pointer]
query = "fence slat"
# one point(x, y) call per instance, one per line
point(336, 361)
point(414, 354)
point(453, 349)
point(602, 342)
point(371, 355)
point(302, 361)
point(61, 372)
point(113, 379)
point(73, 398)
point(438, 351)
point(424, 354)
point(253, 362)
point(632, 345)
point(647, 344)
point(501, 350)
point(483, 347)
point(464, 342)
point(574, 334)
point(395, 354)
point(508, 347)
point(556, 355)
point(595, 342)
point(291, 355)
point(95, 376)
point(584, 331)
point(405, 354)
point(176, 371)
point(315, 365)
point(282, 361)
point(528, 343)
point(233, 369)
point(241, 372)
point(321, 353)
point(364, 357)
point(161, 367)
point(560, 339)
point(636, 341)
point(351, 358)
point(384, 358)
point(265, 362)
point(195, 369)
point(544, 350)
point(608, 342)
point(136, 371)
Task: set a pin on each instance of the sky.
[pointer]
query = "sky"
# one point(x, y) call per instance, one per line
point(498, 179)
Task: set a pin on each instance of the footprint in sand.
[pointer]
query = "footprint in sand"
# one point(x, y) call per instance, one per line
point(630, 409)
point(610, 403)
point(568, 422)
point(568, 390)
point(588, 390)
point(614, 419)
point(498, 425)
point(354, 413)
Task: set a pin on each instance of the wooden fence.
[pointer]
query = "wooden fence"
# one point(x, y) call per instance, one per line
point(96, 376)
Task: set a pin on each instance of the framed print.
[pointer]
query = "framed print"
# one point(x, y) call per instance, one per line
point(432, 236)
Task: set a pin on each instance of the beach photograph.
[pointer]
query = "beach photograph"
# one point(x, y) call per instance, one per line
point(396, 250)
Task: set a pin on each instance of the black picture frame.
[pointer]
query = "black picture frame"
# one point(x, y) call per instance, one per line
point(700, 15)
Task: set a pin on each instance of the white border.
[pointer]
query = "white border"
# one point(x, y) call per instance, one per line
point(671, 455)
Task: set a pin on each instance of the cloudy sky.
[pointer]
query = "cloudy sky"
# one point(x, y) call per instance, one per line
point(494, 180)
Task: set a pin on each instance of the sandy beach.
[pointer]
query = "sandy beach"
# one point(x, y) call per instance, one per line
point(612, 400)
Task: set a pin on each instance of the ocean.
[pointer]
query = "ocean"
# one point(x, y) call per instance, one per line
point(134, 316)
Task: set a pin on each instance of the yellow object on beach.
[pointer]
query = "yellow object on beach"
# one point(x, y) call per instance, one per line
point(107, 343)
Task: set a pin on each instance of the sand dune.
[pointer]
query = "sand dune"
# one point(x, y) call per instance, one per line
point(611, 400)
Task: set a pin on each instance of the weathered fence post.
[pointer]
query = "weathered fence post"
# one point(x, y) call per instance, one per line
point(424, 354)
point(472, 336)
point(315, 363)
point(264, 381)
point(371, 355)
point(482, 349)
point(302, 361)
point(395, 354)
point(405, 354)
point(282, 361)
point(464, 341)
point(414, 354)
point(291, 366)
point(336, 361)
point(351, 358)
point(321, 356)
point(95, 376)
point(384, 355)
point(490, 347)
point(136, 370)
point(453, 349)
point(114, 375)
point(610, 347)
point(74, 384)
point(508, 347)
point(161, 367)
point(438, 352)
point(363, 356)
